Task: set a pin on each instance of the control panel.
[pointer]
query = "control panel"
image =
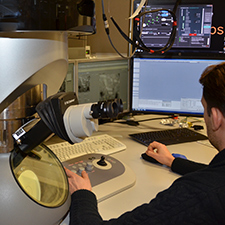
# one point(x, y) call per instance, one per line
point(108, 175)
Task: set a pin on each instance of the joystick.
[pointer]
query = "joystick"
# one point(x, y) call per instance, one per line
point(102, 161)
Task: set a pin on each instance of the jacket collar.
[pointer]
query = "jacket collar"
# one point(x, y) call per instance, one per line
point(218, 159)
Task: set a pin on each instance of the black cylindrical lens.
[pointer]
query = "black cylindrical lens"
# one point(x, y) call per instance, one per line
point(107, 109)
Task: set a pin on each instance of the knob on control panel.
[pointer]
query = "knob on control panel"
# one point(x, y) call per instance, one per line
point(80, 170)
point(89, 166)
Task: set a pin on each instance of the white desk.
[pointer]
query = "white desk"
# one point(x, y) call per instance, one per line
point(150, 178)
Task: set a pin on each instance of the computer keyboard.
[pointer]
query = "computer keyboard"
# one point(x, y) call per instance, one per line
point(102, 144)
point(168, 137)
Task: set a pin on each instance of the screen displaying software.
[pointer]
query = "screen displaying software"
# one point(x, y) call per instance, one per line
point(168, 85)
point(193, 26)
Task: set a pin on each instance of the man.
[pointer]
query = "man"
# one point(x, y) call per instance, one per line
point(196, 198)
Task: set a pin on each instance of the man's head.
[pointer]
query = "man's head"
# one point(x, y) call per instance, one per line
point(213, 100)
point(213, 82)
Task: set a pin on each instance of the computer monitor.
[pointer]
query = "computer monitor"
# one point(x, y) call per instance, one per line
point(167, 86)
point(99, 79)
point(102, 79)
point(68, 84)
point(200, 26)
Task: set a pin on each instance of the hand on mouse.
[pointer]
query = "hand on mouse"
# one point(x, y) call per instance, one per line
point(160, 153)
point(77, 182)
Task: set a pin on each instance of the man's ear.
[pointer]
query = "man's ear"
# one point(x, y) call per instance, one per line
point(217, 118)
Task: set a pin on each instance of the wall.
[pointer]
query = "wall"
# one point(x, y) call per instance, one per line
point(120, 11)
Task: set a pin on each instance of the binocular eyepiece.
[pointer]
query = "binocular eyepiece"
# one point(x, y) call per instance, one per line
point(107, 109)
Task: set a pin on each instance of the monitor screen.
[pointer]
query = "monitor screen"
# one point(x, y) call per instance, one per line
point(99, 79)
point(167, 86)
point(102, 79)
point(200, 26)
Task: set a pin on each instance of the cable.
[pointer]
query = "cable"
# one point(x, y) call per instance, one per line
point(138, 43)
point(172, 36)
point(171, 40)
point(106, 25)
point(136, 122)
point(125, 57)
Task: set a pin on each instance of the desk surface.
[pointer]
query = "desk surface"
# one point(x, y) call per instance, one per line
point(150, 178)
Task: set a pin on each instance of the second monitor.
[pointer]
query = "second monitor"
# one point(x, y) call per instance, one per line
point(100, 79)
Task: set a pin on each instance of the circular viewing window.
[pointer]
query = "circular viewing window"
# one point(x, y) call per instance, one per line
point(41, 176)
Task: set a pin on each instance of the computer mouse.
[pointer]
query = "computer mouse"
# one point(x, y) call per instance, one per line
point(132, 123)
point(152, 160)
point(149, 158)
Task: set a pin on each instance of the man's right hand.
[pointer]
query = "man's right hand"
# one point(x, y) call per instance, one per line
point(160, 153)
